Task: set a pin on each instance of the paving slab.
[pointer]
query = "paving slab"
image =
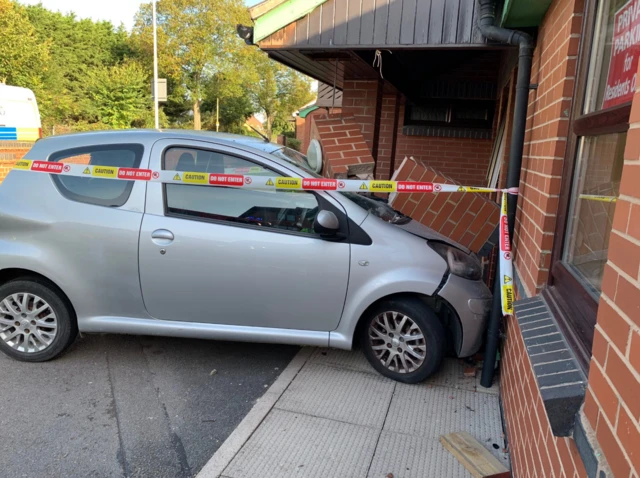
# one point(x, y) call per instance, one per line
point(339, 394)
point(296, 445)
point(408, 456)
point(340, 418)
point(430, 411)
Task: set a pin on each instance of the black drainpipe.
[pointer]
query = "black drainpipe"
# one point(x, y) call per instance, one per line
point(525, 44)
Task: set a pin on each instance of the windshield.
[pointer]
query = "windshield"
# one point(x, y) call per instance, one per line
point(296, 158)
point(367, 201)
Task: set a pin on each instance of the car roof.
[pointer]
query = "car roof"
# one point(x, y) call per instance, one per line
point(157, 134)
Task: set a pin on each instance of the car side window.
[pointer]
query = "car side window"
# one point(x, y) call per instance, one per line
point(284, 210)
point(99, 191)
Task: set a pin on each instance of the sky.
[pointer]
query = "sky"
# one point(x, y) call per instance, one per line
point(115, 11)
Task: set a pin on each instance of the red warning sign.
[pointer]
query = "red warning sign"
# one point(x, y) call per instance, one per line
point(46, 166)
point(505, 244)
point(227, 179)
point(407, 186)
point(321, 184)
point(133, 173)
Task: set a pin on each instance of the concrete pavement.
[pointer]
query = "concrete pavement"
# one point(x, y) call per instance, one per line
point(330, 414)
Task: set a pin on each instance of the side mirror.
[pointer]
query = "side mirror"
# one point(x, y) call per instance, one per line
point(326, 223)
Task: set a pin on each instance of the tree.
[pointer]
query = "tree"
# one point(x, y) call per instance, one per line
point(229, 91)
point(119, 94)
point(77, 48)
point(23, 57)
point(278, 91)
point(196, 41)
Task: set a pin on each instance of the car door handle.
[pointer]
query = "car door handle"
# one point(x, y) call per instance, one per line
point(162, 237)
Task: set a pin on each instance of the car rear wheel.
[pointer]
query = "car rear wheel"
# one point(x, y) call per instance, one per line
point(403, 339)
point(36, 322)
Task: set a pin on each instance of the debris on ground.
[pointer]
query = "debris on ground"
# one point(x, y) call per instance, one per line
point(213, 372)
point(473, 456)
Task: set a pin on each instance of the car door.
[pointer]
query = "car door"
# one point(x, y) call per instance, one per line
point(237, 256)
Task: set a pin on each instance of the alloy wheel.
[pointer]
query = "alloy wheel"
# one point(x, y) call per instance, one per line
point(28, 323)
point(397, 342)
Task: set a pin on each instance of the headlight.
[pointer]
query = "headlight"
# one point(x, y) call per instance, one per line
point(460, 264)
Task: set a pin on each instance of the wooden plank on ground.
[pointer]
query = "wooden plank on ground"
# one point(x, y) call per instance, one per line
point(474, 457)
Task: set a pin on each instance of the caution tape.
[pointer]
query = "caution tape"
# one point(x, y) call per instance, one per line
point(273, 183)
point(506, 266)
point(594, 197)
point(248, 181)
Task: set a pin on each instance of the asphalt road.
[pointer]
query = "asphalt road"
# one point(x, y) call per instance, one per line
point(116, 406)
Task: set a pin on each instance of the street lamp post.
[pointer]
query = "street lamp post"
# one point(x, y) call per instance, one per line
point(155, 67)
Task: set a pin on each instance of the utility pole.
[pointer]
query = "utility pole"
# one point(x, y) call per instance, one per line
point(155, 66)
point(217, 114)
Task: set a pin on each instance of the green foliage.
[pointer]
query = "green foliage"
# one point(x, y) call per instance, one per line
point(117, 94)
point(278, 91)
point(23, 56)
point(76, 48)
point(89, 75)
point(197, 38)
point(294, 143)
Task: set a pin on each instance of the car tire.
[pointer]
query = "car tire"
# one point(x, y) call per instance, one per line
point(37, 322)
point(403, 339)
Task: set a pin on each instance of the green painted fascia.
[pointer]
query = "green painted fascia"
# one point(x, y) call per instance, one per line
point(281, 16)
point(304, 112)
point(524, 13)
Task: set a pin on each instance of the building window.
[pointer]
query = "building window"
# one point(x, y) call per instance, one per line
point(593, 166)
point(596, 184)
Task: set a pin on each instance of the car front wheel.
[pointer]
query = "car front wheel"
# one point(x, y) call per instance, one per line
point(36, 322)
point(403, 339)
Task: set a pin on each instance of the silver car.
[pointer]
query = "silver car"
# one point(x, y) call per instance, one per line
point(95, 255)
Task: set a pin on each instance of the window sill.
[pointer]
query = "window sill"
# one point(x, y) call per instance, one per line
point(560, 378)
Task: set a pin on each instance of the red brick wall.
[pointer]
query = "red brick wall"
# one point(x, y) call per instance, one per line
point(553, 69)
point(10, 152)
point(612, 405)
point(466, 218)
point(319, 113)
point(534, 450)
point(343, 146)
point(5, 166)
point(464, 160)
point(359, 102)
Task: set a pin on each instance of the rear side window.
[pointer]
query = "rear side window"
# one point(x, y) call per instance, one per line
point(99, 191)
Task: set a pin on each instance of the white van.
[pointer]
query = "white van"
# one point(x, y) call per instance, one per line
point(19, 115)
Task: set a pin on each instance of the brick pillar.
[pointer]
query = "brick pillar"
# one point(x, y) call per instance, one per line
point(359, 102)
point(612, 404)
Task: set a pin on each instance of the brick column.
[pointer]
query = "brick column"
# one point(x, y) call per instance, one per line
point(612, 403)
